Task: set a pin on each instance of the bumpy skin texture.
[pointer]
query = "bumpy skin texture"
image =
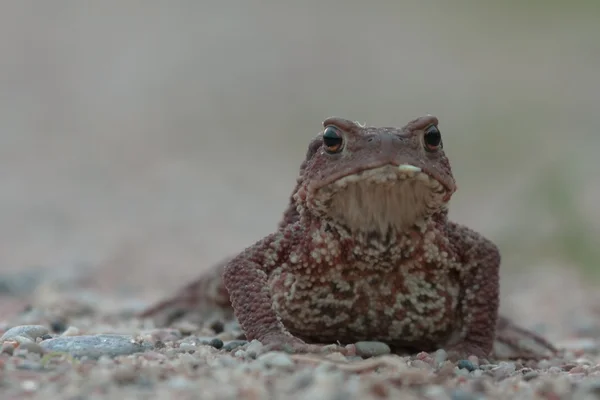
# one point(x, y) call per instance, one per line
point(365, 251)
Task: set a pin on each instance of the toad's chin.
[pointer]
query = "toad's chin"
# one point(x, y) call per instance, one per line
point(382, 199)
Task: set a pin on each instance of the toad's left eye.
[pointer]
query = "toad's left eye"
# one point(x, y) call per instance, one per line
point(332, 139)
point(432, 138)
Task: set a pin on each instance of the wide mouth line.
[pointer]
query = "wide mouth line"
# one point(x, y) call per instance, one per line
point(383, 172)
point(399, 169)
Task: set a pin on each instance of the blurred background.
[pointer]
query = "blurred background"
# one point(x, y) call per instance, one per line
point(143, 141)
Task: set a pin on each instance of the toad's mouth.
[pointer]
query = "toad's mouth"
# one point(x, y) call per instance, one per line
point(383, 198)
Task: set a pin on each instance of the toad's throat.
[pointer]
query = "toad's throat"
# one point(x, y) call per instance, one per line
point(384, 198)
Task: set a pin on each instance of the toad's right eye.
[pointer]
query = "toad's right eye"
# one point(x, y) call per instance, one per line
point(332, 139)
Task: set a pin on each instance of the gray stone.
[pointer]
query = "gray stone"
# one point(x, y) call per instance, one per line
point(95, 346)
point(466, 364)
point(29, 331)
point(234, 344)
point(32, 347)
point(371, 349)
point(530, 375)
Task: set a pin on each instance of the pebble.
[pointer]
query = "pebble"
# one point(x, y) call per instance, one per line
point(216, 343)
point(466, 364)
point(420, 364)
point(474, 360)
point(440, 356)
point(254, 348)
point(503, 370)
point(32, 347)
point(29, 385)
point(22, 339)
point(8, 348)
point(368, 349)
point(95, 346)
point(217, 326)
point(584, 361)
point(234, 344)
point(477, 373)
point(530, 375)
point(187, 347)
point(58, 326)
point(276, 359)
point(31, 332)
point(578, 369)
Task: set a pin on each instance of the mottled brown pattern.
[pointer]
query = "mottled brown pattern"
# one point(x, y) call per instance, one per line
point(365, 251)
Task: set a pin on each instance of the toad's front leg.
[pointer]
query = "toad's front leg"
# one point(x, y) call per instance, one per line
point(480, 297)
point(246, 280)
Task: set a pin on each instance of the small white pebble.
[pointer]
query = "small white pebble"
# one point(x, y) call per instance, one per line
point(239, 353)
point(254, 346)
point(29, 385)
point(584, 361)
point(276, 359)
point(187, 347)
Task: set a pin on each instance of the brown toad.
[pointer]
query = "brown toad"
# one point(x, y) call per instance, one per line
point(365, 251)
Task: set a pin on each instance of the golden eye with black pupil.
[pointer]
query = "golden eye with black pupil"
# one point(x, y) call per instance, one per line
point(432, 138)
point(332, 139)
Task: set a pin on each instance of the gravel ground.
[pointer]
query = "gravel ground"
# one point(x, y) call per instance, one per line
point(68, 340)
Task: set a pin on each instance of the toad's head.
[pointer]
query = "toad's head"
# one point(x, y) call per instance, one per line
point(376, 179)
